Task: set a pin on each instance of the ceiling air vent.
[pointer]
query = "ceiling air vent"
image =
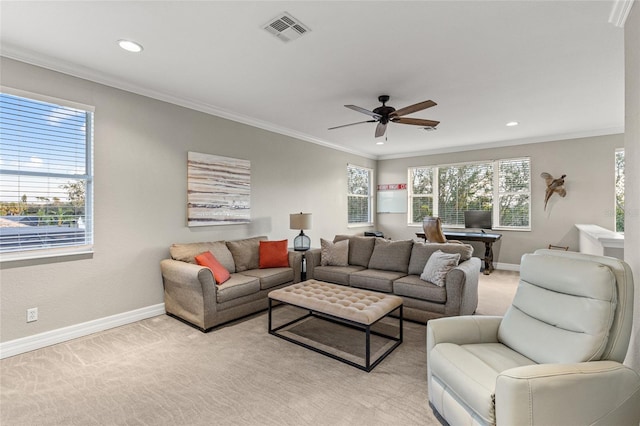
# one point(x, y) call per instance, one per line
point(286, 27)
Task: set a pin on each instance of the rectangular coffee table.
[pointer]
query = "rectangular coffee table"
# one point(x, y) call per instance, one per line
point(351, 307)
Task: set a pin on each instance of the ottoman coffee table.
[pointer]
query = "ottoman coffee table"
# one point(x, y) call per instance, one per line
point(348, 306)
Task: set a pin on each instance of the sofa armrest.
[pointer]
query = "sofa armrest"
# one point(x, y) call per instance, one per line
point(461, 283)
point(313, 258)
point(600, 392)
point(295, 262)
point(189, 290)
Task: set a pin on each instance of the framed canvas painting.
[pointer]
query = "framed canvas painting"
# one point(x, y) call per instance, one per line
point(218, 190)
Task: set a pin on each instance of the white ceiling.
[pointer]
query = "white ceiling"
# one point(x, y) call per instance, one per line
point(557, 67)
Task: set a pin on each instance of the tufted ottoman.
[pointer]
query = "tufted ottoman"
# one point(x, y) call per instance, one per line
point(349, 306)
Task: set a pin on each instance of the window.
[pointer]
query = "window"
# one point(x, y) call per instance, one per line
point(514, 193)
point(620, 190)
point(448, 191)
point(421, 188)
point(45, 176)
point(359, 195)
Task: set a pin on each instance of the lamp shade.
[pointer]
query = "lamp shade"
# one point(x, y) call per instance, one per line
point(300, 221)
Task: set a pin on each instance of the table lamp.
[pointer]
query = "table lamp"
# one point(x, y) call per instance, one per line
point(300, 221)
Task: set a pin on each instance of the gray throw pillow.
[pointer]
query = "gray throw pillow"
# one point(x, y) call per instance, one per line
point(334, 254)
point(391, 255)
point(422, 251)
point(437, 267)
point(246, 253)
point(360, 248)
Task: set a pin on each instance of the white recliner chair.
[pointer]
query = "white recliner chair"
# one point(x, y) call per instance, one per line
point(556, 356)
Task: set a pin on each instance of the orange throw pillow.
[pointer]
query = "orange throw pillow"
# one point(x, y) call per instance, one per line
point(208, 260)
point(274, 254)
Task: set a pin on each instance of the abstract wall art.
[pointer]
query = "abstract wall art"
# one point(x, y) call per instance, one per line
point(218, 190)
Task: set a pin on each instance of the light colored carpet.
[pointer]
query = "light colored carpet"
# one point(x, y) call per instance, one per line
point(162, 372)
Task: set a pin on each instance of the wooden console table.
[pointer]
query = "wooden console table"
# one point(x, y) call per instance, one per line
point(487, 238)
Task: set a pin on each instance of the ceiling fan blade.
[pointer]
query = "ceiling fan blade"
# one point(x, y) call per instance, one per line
point(352, 124)
point(413, 108)
point(380, 129)
point(364, 111)
point(416, 121)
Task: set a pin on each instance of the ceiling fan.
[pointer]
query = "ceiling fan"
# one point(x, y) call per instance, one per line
point(385, 114)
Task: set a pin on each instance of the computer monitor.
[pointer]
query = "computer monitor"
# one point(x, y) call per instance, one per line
point(480, 219)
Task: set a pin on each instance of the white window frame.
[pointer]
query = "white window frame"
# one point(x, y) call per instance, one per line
point(369, 197)
point(70, 250)
point(495, 192)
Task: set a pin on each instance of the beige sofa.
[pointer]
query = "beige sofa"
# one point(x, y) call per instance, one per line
point(191, 292)
point(395, 267)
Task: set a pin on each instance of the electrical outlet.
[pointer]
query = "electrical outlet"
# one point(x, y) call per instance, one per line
point(32, 314)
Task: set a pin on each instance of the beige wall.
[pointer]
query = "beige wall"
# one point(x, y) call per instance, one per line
point(588, 164)
point(141, 149)
point(632, 168)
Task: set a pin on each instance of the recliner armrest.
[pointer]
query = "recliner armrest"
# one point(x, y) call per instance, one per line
point(462, 330)
point(596, 392)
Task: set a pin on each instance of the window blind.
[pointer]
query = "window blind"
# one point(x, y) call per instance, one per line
point(359, 194)
point(448, 191)
point(619, 168)
point(464, 187)
point(45, 175)
point(514, 193)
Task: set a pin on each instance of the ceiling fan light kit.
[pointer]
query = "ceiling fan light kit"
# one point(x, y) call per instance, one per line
point(384, 115)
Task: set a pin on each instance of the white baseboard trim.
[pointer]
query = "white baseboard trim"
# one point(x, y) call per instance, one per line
point(508, 266)
point(48, 338)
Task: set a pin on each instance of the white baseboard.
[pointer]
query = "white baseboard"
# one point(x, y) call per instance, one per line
point(508, 266)
point(48, 338)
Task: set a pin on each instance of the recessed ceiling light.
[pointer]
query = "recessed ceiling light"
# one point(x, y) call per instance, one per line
point(379, 143)
point(130, 46)
point(512, 123)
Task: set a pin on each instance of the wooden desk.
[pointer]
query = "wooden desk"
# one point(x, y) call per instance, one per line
point(488, 238)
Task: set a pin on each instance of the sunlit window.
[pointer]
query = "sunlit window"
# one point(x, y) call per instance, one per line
point(45, 175)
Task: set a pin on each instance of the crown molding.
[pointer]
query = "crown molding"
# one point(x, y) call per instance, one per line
point(511, 142)
point(85, 73)
point(619, 12)
point(57, 65)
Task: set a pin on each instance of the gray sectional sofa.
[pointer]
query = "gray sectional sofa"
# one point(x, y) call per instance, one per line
point(395, 267)
point(191, 292)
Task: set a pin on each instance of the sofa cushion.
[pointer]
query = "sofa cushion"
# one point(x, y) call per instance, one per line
point(391, 255)
point(360, 248)
point(375, 279)
point(237, 286)
point(562, 311)
point(208, 260)
point(437, 267)
point(187, 253)
point(246, 253)
point(271, 277)
point(273, 254)
point(412, 286)
point(421, 252)
point(334, 254)
point(335, 274)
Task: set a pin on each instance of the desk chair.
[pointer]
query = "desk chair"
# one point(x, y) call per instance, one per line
point(433, 230)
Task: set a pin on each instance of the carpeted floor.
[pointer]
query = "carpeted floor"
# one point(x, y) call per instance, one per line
point(162, 372)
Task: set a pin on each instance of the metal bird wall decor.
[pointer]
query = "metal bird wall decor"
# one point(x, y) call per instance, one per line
point(553, 186)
